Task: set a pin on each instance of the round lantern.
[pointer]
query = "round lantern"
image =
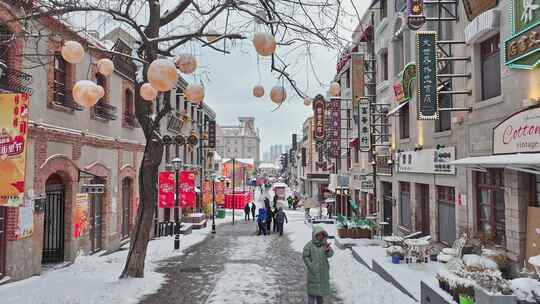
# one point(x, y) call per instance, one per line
point(212, 36)
point(148, 92)
point(264, 43)
point(186, 63)
point(162, 75)
point(194, 93)
point(258, 91)
point(86, 93)
point(72, 52)
point(335, 89)
point(307, 101)
point(278, 94)
point(105, 66)
point(100, 91)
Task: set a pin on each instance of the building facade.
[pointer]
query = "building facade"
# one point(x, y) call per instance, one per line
point(241, 141)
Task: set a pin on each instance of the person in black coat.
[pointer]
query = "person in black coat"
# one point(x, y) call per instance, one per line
point(253, 209)
point(269, 217)
point(246, 212)
point(279, 219)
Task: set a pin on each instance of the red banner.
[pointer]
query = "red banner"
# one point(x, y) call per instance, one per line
point(166, 190)
point(220, 193)
point(187, 189)
point(207, 192)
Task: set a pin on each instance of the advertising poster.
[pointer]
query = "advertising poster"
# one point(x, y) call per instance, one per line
point(25, 226)
point(220, 193)
point(166, 190)
point(80, 216)
point(187, 189)
point(13, 131)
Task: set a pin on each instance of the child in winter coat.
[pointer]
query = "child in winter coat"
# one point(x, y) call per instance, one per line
point(261, 221)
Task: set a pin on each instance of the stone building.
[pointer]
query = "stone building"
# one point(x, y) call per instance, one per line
point(70, 149)
point(241, 141)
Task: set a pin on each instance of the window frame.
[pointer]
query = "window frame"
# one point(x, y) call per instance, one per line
point(492, 181)
point(60, 79)
point(490, 49)
point(405, 124)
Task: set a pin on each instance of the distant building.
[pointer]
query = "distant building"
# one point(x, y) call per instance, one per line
point(240, 141)
point(275, 152)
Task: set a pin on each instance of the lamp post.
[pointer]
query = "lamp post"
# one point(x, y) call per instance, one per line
point(177, 163)
point(213, 176)
point(233, 187)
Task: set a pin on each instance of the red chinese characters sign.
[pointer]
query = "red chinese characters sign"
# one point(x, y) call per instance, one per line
point(166, 190)
point(187, 189)
point(318, 118)
point(335, 127)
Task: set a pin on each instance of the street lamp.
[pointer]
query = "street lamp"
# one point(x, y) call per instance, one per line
point(177, 163)
point(213, 176)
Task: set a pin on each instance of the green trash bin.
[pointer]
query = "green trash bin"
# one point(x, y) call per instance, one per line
point(221, 213)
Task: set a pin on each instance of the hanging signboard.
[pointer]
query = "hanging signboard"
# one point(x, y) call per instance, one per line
point(519, 133)
point(212, 134)
point(318, 118)
point(166, 190)
point(427, 105)
point(13, 131)
point(408, 77)
point(187, 189)
point(430, 161)
point(473, 8)
point(364, 136)
point(357, 76)
point(334, 107)
point(80, 216)
point(398, 92)
point(522, 50)
point(415, 14)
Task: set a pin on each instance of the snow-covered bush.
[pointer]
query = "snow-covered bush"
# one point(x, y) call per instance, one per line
point(526, 289)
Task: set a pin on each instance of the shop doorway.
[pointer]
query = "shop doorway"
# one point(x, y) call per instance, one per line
point(388, 202)
point(53, 220)
point(96, 217)
point(127, 188)
point(3, 215)
point(447, 214)
point(423, 222)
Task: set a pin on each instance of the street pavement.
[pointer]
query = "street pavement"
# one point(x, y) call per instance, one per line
point(236, 266)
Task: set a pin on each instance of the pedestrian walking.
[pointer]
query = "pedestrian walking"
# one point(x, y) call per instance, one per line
point(290, 201)
point(261, 221)
point(253, 209)
point(275, 226)
point(269, 216)
point(246, 212)
point(275, 200)
point(315, 254)
point(281, 217)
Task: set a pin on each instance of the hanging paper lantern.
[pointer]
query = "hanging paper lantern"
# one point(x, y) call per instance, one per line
point(335, 89)
point(72, 52)
point(86, 93)
point(100, 91)
point(162, 75)
point(264, 43)
point(278, 94)
point(186, 63)
point(258, 91)
point(307, 101)
point(105, 66)
point(212, 36)
point(148, 92)
point(194, 93)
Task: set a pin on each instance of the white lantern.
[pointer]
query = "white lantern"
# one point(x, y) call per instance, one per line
point(258, 91)
point(162, 75)
point(105, 66)
point(194, 93)
point(186, 63)
point(212, 35)
point(86, 93)
point(278, 94)
point(148, 92)
point(307, 101)
point(264, 43)
point(72, 52)
point(100, 91)
point(335, 89)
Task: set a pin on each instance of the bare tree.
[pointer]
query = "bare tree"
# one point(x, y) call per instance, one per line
point(162, 28)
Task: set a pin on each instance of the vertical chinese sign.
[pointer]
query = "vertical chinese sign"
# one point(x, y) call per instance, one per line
point(318, 118)
point(187, 189)
point(220, 193)
point(428, 103)
point(80, 216)
point(166, 190)
point(334, 107)
point(13, 131)
point(207, 195)
point(212, 134)
point(360, 103)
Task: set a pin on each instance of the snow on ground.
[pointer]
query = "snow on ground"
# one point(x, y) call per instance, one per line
point(245, 248)
point(354, 282)
point(94, 279)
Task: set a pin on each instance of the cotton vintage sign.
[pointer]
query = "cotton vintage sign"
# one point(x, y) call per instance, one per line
point(519, 133)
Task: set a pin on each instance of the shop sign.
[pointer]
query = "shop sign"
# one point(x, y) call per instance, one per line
point(522, 49)
point(187, 189)
point(212, 134)
point(342, 61)
point(13, 130)
point(431, 161)
point(427, 108)
point(364, 135)
point(415, 14)
point(166, 190)
point(318, 117)
point(519, 133)
point(398, 92)
point(80, 216)
point(357, 76)
point(408, 76)
point(473, 8)
point(334, 107)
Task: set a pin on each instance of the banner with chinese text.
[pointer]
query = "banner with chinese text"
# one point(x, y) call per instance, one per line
point(207, 192)
point(318, 118)
point(13, 131)
point(166, 190)
point(220, 193)
point(334, 107)
point(187, 189)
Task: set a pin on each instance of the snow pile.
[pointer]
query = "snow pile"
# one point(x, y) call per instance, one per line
point(526, 289)
point(476, 261)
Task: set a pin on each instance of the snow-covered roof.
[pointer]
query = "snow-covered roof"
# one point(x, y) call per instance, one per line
point(248, 161)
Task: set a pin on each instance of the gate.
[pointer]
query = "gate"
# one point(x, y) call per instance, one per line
point(3, 213)
point(53, 221)
point(126, 206)
point(95, 221)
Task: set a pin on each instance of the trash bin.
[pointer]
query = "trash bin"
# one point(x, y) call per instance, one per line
point(221, 213)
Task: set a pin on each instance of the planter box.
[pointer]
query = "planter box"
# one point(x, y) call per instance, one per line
point(354, 233)
point(482, 297)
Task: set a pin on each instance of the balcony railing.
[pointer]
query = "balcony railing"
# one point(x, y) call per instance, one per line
point(105, 111)
point(15, 81)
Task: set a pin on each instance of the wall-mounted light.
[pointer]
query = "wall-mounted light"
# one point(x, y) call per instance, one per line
point(440, 146)
point(418, 147)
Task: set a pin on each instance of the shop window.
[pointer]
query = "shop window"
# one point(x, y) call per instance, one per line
point(399, 61)
point(490, 204)
point(383, 9)
point(129, 108)
point(405, 205)
point(490, 57)
point(384, 65)
point(446, 198)
point(60, 79)
point(444, 123)
point(404, 121)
